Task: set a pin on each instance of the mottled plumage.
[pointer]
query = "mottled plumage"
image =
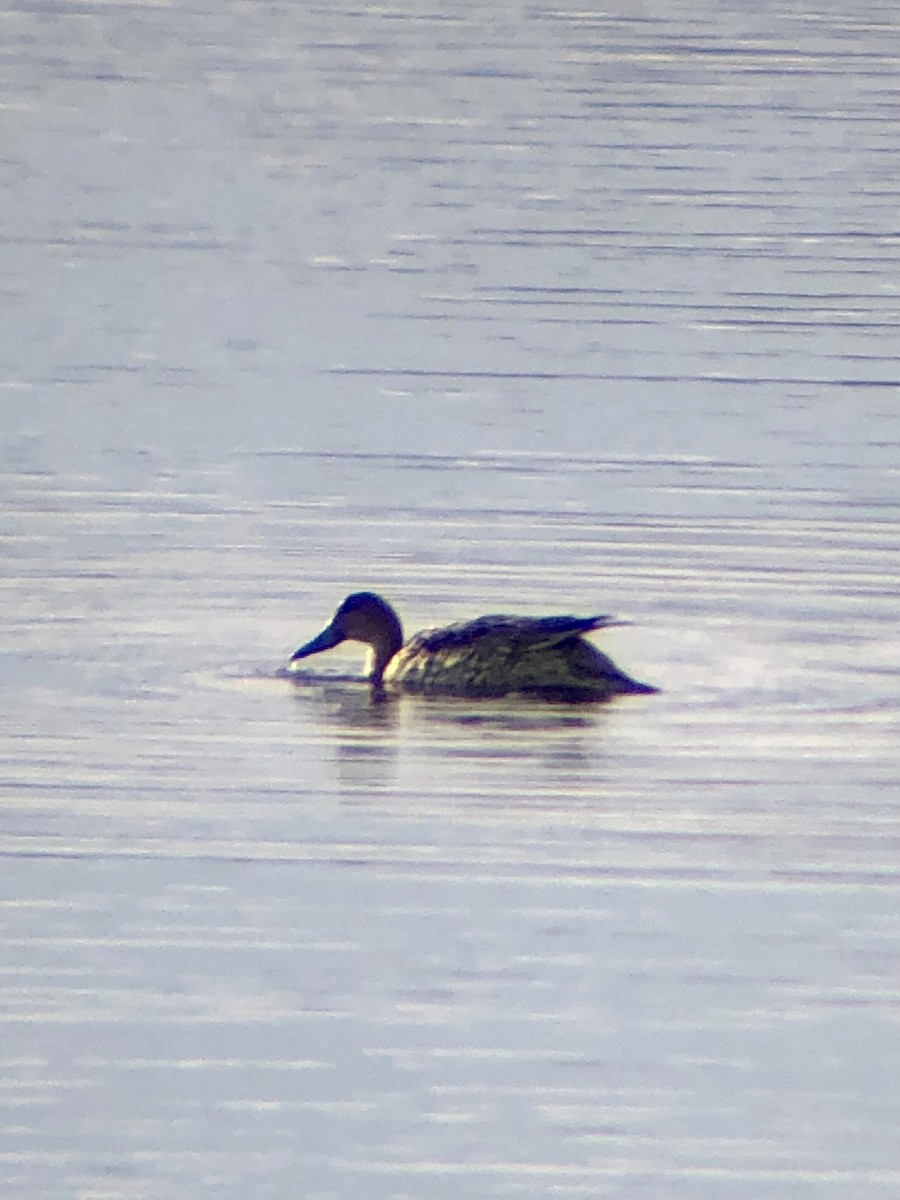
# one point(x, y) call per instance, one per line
point(490, 656)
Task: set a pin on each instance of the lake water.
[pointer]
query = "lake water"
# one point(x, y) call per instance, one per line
point(505, 307)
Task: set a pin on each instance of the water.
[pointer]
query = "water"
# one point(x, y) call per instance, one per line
point(519, 308)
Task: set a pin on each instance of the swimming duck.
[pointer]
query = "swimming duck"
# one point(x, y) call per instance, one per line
point(490, 656)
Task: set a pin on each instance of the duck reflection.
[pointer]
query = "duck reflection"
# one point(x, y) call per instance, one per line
point(372, 731)
point(359, 721)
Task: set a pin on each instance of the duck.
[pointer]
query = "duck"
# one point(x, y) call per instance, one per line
point(488, 657)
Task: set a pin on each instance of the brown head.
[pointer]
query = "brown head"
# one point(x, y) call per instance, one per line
point(363, 617)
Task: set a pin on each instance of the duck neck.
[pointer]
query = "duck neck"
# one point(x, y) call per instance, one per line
point(383, 645)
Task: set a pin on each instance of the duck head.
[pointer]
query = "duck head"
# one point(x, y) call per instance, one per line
point(363, 617)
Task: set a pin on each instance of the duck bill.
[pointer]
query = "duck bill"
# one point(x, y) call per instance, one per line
point(326, 640)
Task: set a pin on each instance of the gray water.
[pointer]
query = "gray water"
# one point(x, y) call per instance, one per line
point(497, 307)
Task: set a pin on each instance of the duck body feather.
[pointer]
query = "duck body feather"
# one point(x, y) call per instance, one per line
point(490, 656)
point(495, 655)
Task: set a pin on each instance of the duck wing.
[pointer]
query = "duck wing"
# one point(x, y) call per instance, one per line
point(521, 632)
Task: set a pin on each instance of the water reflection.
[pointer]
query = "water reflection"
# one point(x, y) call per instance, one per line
point(376, 736)
point(531, 747)
point(359, 722)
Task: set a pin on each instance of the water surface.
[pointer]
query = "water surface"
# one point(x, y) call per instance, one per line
point(522, 309)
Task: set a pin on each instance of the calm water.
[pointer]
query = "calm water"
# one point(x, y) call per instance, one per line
point(515, 307)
